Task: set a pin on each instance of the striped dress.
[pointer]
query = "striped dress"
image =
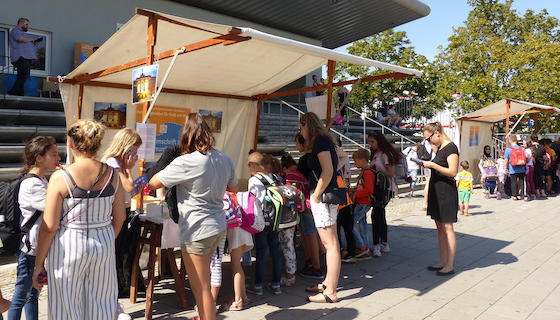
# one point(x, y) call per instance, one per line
point(81, 260)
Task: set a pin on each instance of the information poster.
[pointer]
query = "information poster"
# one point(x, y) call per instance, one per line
point(473, 136)
point(169, 123)
point(144, 83)
point(147, 132)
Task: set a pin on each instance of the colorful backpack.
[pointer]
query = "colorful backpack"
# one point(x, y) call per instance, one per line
point(281, 204)
point(232, 210)
point(252, 218)
point(489, 170)
point(298, 180)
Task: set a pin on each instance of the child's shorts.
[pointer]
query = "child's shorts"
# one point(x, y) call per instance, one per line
point(464, 195)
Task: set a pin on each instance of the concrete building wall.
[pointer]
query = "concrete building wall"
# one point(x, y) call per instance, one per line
point(93, 22)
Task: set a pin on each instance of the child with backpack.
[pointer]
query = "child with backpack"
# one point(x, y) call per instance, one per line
point(516, 161)
point(383, 158)
point(286, 236)
point(268, 237)
point(40, 155)
point(362, 199)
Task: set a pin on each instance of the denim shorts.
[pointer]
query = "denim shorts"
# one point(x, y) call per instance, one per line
point(307, 223)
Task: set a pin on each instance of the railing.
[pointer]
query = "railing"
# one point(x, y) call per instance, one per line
point(383, 128)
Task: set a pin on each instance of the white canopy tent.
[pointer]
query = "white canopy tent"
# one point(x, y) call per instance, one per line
point(211, 66)
point(477, 128)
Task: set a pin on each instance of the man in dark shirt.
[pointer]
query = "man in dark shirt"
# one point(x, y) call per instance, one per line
point(22, 54)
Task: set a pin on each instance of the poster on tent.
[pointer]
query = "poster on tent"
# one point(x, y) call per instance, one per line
point(473, 136)
point(144, 83)
point(111, 114)
point(213, 119)
point(169, 123)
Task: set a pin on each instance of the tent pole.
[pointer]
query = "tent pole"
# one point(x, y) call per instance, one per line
point(80, 101)
point(508, 104)
point(330, 74)
point(257, 123)
point(150, 41)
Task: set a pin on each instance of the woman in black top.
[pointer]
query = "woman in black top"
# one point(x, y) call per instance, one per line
point(322, 162)
point(442, 195)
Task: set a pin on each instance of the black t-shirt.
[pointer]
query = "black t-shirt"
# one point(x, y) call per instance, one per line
point(539, 153)
point(322, 143)
point(303, 167)
point(441, 159)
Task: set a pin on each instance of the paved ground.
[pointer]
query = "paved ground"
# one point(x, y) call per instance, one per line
point(507, 264)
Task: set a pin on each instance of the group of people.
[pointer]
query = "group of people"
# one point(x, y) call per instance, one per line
point(535, 177)
point(85, 205)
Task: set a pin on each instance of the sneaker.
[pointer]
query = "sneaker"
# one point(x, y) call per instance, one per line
point(385, 247)
point(365, 256)
point(362, 251)
point(254, 290)
point(287, 282)
point(377, 250)
point(487, 196)
point(348, 258)
point(273, 289)
point(310, 273)
point(122, 315)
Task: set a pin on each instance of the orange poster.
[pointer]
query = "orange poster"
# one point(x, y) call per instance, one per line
point(169, 123)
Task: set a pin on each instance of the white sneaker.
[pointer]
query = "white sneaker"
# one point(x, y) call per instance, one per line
point(377, 250)
point(288, 282)
point(121, 313)
point(385, 247)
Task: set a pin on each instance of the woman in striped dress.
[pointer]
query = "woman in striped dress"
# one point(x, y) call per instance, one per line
point(83, 212)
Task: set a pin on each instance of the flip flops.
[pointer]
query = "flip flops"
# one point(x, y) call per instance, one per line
point(319, 288)
point(321, 298)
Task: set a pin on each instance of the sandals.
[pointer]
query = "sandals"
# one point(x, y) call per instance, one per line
point(322, 298)
point(233, 306)
point(319, 288)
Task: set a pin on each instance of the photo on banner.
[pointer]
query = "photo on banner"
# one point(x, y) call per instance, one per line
point(111, 114)
point(144, 83)
point(213, 119)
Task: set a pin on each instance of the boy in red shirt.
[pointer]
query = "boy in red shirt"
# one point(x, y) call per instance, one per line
point(362, 199)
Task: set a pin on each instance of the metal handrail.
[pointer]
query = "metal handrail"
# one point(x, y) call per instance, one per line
point(333, 130)
point(383, 128)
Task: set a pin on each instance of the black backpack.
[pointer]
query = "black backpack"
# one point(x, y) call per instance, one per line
point(169, 154)
point(11, 232)
point(381, 195)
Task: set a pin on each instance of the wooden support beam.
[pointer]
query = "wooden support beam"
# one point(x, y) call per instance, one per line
point(394, 75)
point(331, 65)
point(257, 123)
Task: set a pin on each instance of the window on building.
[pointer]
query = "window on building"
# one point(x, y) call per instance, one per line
point(40, 67)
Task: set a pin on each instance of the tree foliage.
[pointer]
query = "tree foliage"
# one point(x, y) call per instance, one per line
point(499, 54)
point(390, 47)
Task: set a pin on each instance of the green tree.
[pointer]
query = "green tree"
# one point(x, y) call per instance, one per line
point(499, 54)
point(390, 47)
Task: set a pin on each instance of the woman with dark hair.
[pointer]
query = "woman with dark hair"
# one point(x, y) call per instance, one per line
point(383, 158)
point(84, 211)
point(202, 174)
point(39, 156)
point(488, 172)
point(443, 196)
point(323, 161)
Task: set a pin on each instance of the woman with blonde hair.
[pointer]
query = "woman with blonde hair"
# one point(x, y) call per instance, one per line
point(443, 196)
point(202, 174)
point(323, 161)
point(84, 211)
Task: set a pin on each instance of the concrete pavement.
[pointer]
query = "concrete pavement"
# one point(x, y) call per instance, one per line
point(506, 268)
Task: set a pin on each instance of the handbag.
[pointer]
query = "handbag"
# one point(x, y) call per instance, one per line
point(334, 194)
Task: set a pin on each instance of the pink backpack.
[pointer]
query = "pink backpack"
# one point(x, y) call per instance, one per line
point(252, 218)
point(517, 157)
point(298, 180)
point(231, 210)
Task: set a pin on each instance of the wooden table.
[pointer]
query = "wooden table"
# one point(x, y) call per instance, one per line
point(151, 234)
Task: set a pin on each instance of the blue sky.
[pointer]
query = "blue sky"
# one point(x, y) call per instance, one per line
point(427, 33)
